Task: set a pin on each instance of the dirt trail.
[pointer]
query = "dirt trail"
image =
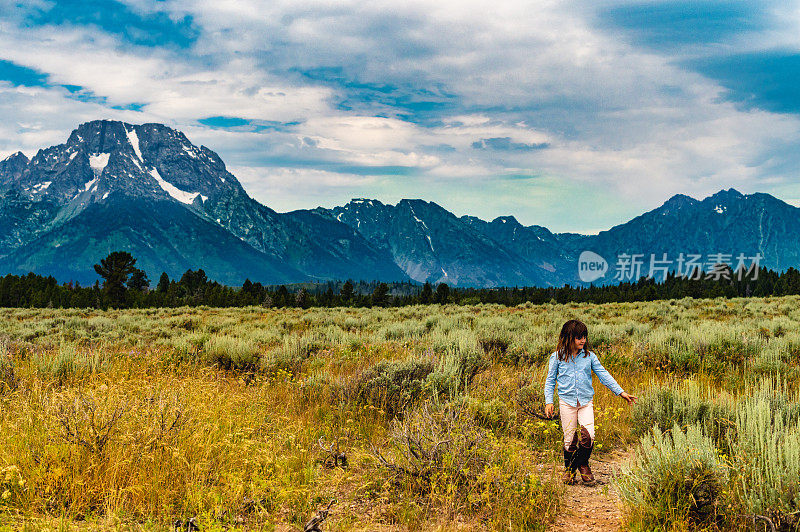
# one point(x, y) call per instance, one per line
point(596, 507)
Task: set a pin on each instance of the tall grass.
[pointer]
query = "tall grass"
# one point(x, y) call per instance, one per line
point(757, 435)
point(685, 403)
point(766, 452)
point(676, 480)
point(68, 363)
point(136, 418)
point(230, 352)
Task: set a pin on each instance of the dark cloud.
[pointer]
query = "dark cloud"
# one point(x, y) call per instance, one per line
point(417, 101)
point(766, 80)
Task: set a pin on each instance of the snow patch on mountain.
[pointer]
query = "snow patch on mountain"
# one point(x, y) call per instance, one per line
point(420, 221)
point(189, 151)
point(133, 138)
point(172, 190)
point(425, 230)
point(98, 162)
point(90, 184)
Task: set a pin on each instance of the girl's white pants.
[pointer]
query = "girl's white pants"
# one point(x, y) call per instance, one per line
point(574, 417)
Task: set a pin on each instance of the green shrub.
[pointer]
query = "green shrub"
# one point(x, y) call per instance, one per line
point(676, 477)
point(69, 363)
point(456, 369)
point(495, 341)
point(229, 352)
point(444, 460)
point(532, 353)
point(391, 386)
point(766, 452)
point(708, 346)
point(290, 358)
point(435, 444)
point(779, 357)
point(493, 414)
point(666, 405)
point(758, 434)
point(732, 351)
point(395, 386)
point(9, 381)
point(403, 330)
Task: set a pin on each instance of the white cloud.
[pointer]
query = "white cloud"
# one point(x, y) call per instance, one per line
point(625, 121)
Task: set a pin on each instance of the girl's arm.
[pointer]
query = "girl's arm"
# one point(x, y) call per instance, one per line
point(550, 382)
point(605, 377)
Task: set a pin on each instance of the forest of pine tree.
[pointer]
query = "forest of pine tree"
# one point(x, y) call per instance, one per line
point(129, 288)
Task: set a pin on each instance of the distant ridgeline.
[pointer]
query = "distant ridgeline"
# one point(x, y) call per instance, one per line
point(126, 286)
point(148, 190)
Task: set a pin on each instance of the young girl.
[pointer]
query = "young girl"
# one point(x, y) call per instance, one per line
point(571, 367)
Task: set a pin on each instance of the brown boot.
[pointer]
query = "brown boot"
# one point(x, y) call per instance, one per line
point(586, 475)
point(582, 458)
point(570, 466)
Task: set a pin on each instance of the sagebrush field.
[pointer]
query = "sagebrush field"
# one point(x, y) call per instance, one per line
point(413, 418)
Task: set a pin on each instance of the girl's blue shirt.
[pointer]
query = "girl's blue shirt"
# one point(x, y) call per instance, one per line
point(574, 379)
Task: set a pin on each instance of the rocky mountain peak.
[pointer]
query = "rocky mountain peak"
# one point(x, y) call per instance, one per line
point(363, 203)
point(105, 156)
point(18, 156)
point(506, 220)
point(12, 167)
point(676, 204)
point(725, 196)
point(680, 200)
point(99, 136)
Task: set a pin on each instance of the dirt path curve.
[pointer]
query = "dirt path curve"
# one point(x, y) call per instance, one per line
point(596, 507)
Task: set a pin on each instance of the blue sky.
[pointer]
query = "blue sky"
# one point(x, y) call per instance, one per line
point(572, 115)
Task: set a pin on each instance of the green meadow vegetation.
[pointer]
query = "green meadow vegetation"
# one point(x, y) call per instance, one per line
point(408, 418)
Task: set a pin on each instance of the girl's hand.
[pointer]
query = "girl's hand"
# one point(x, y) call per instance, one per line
point(548, 410)
point(630, 398)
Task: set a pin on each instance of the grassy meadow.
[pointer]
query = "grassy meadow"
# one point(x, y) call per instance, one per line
point(412, 418)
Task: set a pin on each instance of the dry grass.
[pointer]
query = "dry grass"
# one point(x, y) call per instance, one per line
point(136, 418)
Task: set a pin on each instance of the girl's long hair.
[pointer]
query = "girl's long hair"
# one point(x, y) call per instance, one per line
point(569, 332)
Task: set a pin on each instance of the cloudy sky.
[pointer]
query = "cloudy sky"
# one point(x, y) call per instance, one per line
point(573, 115)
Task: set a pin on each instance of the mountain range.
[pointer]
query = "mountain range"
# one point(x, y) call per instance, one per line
point(148, 190)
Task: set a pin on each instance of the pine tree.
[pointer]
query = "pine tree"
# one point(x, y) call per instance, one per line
point(380, 296)
point(442, 293)
point(282, 297)
point(302, 299)
point(163, 283)
point(138, 280)
point(347, 292)
point(115, 269)
point(427, 294)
